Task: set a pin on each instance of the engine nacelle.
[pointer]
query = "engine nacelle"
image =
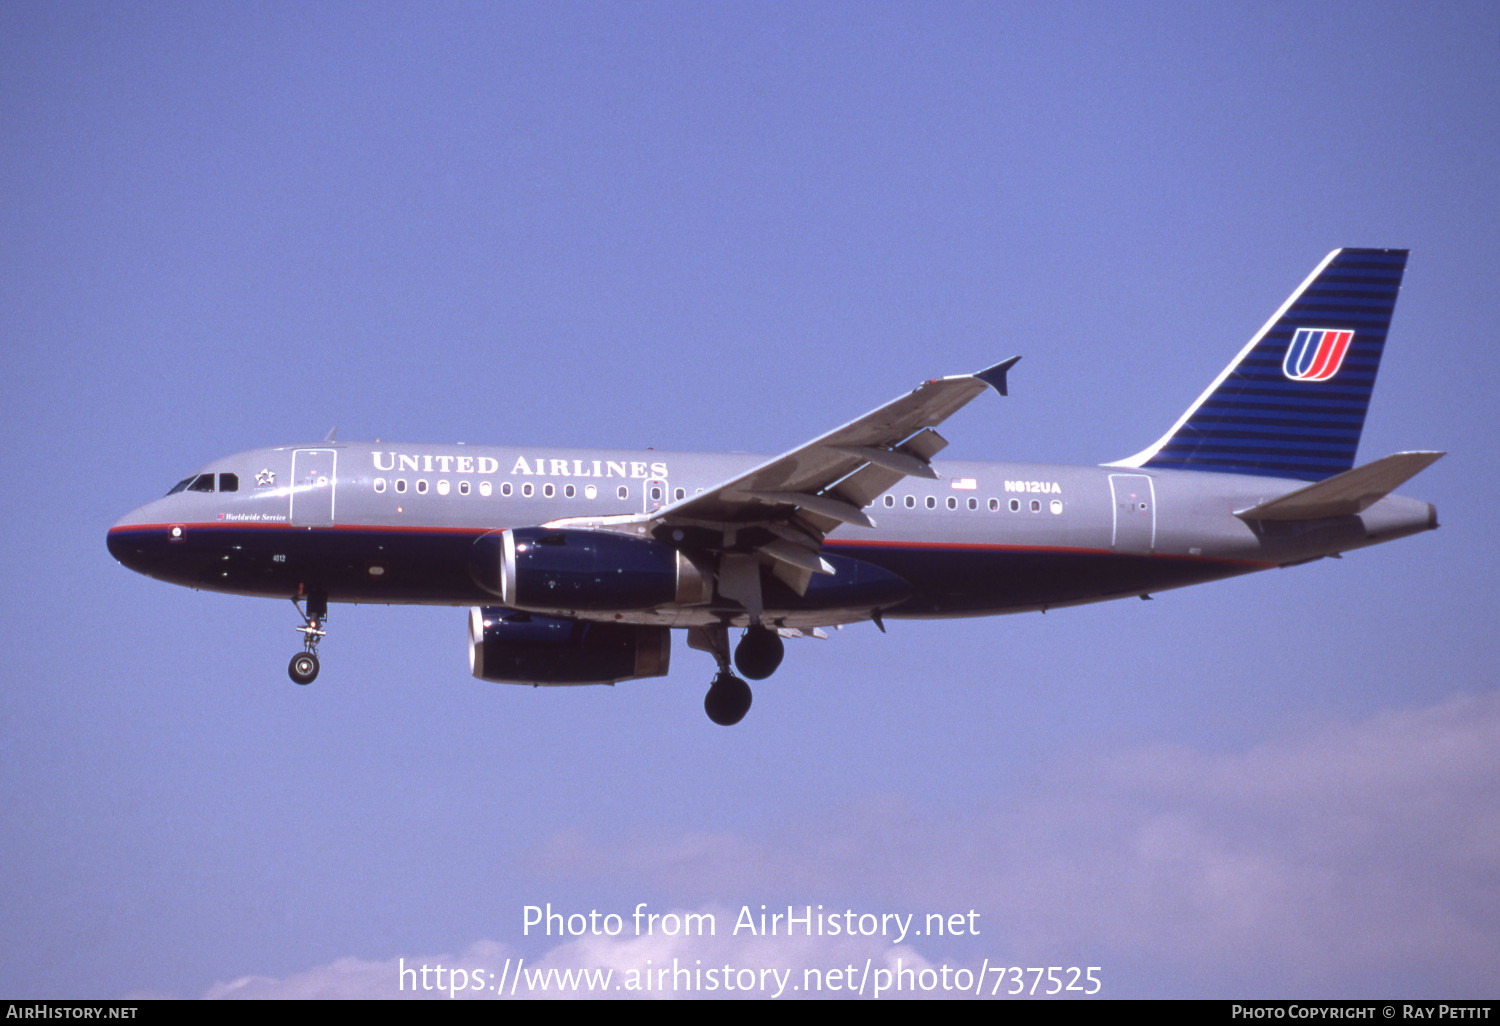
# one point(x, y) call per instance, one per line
point(568, 570)
point(510, 647)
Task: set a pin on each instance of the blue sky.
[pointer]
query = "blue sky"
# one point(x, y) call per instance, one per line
point(732, 227)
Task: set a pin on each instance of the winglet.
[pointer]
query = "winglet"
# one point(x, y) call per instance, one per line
point(995, 376)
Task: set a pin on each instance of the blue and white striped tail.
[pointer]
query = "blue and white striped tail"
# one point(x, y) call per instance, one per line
point(1293, 402)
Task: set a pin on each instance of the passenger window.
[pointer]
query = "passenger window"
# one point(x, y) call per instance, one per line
point(679, 494)
point(624, 492)
point(401, 484)
point(890, 500)
point(526, 490)
point(931, 502)
point(484, 489)
point(569, 491)
point(463, 488)
point(548, 490)
point(1015, 505)
point(911, 503)
point(994, 505)
point(379, 485)
point(442, 487)
point(229, 482)
point(973, 503)
point(952, 502)
point(422, 486)
point(1036, 505)
point(504, 488)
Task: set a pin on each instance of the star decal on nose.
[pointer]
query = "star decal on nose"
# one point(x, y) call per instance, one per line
point(265, 477)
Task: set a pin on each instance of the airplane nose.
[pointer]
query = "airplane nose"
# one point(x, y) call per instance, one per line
point(120, 543)
point(130, 540)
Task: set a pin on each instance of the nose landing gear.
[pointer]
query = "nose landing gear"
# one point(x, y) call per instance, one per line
point(303, 668)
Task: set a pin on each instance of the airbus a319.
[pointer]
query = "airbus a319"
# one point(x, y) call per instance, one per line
point(579, 564)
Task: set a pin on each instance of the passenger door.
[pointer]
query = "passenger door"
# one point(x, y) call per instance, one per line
point(313, 480)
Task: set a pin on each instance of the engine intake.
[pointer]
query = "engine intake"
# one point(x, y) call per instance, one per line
point(511, 647)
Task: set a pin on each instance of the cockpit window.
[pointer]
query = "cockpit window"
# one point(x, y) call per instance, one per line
point(205, 483)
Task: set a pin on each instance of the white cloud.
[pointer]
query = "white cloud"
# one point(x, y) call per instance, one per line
point(1322, 863)
point(354, 978)
point(627, 966)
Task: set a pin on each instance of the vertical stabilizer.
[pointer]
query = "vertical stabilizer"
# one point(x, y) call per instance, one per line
point(1293, 402)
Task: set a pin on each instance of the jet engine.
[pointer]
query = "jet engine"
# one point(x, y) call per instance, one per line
point(512, 647)
point(556, 570)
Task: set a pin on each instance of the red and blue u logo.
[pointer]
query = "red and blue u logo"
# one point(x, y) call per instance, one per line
point(1316, 353)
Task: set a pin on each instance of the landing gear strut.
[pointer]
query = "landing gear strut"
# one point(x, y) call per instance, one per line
point(303, 668)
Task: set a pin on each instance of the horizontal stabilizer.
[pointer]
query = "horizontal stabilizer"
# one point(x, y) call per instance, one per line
point(1344, 494)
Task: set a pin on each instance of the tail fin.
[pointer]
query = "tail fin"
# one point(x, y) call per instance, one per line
point(1293, 402)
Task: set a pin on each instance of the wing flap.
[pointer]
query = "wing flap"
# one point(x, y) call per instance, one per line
point(797, 556)
point(902, 464)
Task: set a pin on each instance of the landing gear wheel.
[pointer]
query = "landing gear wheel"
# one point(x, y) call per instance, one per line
point(303, 668)
point(759, 653)
point(728, 700)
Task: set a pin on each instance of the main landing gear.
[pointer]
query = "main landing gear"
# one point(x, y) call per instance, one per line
point(303, 668)
point(759, 653)
point(728, 699)
point(757, 656)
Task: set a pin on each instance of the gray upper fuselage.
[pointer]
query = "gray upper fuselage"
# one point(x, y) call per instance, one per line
point(982, 538)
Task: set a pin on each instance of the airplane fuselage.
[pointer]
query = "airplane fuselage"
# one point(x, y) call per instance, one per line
point(387, 523)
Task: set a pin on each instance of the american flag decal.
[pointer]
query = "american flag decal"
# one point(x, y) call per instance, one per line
point(1316, 353)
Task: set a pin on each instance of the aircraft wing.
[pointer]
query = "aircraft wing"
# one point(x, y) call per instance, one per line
point(803, 494)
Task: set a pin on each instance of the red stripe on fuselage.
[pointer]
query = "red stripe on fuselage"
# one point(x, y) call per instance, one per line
point(1061, 550)
point(834, 545)
point(216, 525)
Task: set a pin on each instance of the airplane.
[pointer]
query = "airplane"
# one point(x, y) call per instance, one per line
point(578, 564)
